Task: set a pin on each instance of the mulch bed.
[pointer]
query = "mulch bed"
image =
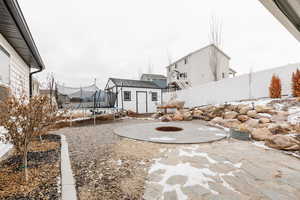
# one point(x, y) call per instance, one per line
point(43, 171)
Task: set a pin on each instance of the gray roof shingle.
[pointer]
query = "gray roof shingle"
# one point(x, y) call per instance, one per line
point(134, 83)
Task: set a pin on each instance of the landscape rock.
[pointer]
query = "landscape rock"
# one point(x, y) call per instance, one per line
point(156, 115)
point(252, 113)
point(230, 115)
point(166, 118)
point(283, 142)
point(187, 116)
point(266, 125)
point(262, 109)
point(178, 116)
point(243, 118)
point(175, 104)
point(264, 120)
point(263, 115)
point(244, 128)
point(260, 134)
point(253, 123)
point(218, 120)
point(197, 114)
point(244, 110)
point(231, 123)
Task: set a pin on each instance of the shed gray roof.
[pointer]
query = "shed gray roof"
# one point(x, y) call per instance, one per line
point(153, 76)
point(15, 30)
point(134, 83)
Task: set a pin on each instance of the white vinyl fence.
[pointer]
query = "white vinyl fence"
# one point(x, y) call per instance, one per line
point(237, 88)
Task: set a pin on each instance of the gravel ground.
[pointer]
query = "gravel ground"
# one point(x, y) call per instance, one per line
point(106, 166)
point(43, 170)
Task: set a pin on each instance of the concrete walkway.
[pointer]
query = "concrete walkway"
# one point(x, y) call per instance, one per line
point(223, 170)
point(191, 133)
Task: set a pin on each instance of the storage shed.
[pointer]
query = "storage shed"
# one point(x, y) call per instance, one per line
point(135, 95)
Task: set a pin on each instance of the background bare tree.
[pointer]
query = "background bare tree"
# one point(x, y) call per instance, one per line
point(215, 37)
point(50, 85)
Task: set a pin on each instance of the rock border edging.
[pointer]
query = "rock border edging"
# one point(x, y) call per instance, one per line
point(67, 179)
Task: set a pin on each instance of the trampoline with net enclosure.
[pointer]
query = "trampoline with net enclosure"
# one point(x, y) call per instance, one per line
point(88, 97)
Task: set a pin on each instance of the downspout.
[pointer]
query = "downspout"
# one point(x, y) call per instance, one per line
point(30, 80)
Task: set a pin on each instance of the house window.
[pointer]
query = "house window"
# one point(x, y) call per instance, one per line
point(154, 96)
point(185, 61)
point(4, 66)
point(127, 96)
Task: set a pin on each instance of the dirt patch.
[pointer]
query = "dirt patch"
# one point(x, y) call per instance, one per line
point(43, 170)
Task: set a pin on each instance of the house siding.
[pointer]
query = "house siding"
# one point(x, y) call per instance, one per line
point(131, 105)
point(198, 68)
point(18, 70)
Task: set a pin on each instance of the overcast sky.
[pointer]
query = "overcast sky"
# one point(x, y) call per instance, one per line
point(83, 40)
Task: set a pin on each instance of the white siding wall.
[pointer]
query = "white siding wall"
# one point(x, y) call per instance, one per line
point(19, 70)
point(237, 88)
point(198, 68)
point(131, 105)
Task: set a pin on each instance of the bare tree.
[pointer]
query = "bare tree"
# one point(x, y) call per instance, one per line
point(215, 37)
point(169, 56)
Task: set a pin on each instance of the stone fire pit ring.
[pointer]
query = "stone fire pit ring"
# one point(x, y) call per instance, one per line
point(172, 132)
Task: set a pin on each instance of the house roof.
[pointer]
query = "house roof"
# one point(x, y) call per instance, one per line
point(287, 13)
point(210, 45)
point(14, 28)
point(134, 83)
point(153, 76)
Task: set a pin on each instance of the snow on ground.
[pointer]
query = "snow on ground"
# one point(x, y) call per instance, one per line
point(4, 148)
point(163, 138)
point(294, 115)
point(195, 176)
point(263, 101)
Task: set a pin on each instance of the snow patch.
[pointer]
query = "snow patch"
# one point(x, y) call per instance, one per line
point(294, 115)
point(163, 138)
point(193, 153)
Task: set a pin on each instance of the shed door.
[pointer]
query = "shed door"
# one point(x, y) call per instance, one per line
point(141, 102)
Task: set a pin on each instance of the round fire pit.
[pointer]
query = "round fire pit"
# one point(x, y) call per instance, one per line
point(169, 129)
point(172, 132)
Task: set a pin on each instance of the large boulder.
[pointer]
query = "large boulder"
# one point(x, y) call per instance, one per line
point(243, 110)
point(243, 118)
point(283, 142)
point(262, 109)
point(230, 115)
point(260, 134)
point(253, 123)
point(252, 113)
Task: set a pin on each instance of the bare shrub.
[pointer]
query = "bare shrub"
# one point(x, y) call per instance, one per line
point(275, 87)
point(25, 119)
point(296, 83)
